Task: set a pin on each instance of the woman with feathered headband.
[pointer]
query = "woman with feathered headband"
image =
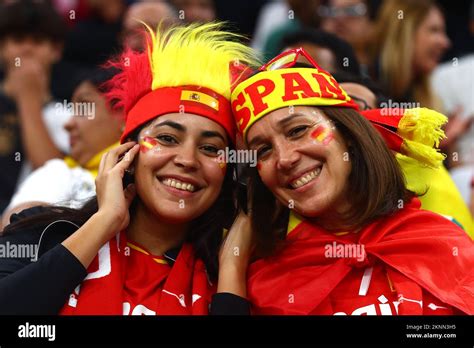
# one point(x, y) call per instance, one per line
point(151, 248)
point(336, 230)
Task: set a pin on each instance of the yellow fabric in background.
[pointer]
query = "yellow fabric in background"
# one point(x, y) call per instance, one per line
point(93, 164)
point(442, 195)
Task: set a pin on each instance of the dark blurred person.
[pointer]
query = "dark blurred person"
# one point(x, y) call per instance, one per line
point(353, 21)
point(94, 39)
point(191, 11)
point(31, 127)
point(331, 53)
point(152, 13)
point(301, 14)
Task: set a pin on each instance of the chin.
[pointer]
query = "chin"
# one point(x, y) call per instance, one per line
point(178, 216)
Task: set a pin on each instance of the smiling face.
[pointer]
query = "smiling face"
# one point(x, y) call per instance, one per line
point(177, 174)
point(94, 126)
point(302, 159)
point(430, 42)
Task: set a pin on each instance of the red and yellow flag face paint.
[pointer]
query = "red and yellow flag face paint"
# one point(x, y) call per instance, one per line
point(323, 134)
point(272, 90)
point(147, 143)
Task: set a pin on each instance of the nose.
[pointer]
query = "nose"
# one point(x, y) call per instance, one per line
point(70, 124)
point(186, 157)
point(27, 47)
point(287, 157)
point(446, 42)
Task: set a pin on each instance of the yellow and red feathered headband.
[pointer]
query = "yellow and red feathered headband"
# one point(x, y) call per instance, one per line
point(186, 69)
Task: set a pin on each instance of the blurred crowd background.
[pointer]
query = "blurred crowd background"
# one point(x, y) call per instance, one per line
point(387, 53)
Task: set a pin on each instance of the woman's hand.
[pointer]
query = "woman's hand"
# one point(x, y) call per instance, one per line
point(234, 257)
point(112, 199)
point(112, 216)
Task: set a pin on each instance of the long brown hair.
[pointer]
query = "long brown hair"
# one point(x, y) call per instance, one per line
point(376, 183)
point(396, 27)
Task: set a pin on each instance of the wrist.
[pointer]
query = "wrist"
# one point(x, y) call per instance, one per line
point(108, 223)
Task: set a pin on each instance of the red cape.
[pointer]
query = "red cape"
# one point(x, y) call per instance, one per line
point(424, 247)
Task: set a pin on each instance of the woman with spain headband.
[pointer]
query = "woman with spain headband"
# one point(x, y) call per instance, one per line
point(337, 232)
point(153, 247)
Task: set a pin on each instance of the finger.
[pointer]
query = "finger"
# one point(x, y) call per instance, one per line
point(114, 154)
point(102, 163)
point(128, 158)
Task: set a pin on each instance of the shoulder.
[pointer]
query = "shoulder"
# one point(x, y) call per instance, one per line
point(413, 221)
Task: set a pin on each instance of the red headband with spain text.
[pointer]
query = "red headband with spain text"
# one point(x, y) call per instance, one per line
point(274, 89)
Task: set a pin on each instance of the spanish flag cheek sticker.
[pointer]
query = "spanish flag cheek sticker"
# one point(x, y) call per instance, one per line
point(323, 134)
point(148, 143)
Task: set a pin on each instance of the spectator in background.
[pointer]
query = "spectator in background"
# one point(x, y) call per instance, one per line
point(353, 21)
point(94, 39)
point(272, 15)
point(302, 14)
point(31, 126)
point(153, 13)
point(410, 41)
point(331, 53)
point(191, 11)
point(453, 81)
point(70, 181)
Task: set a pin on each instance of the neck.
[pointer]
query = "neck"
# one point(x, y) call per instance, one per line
point(151, 232)
point(334, 221)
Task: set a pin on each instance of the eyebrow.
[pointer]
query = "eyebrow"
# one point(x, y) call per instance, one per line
point(171, 124)
point(290, 118)
point(181, 128)
point(212, 134)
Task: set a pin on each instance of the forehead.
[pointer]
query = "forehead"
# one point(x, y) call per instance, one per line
point(192, 122)
point(86, 87)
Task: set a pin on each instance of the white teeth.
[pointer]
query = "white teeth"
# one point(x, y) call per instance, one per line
point(306, 178)
point(179, 185)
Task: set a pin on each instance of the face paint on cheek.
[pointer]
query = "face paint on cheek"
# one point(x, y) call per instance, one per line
point(149, 143)
point(323, 134)
point(221, 163)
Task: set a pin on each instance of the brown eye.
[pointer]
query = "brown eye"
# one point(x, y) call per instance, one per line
point(167, 139)
point(262, 151)
point(297, 131)
point(210, 149)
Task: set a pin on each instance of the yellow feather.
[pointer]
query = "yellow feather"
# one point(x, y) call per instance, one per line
point(197, 54)
point(422, 132)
